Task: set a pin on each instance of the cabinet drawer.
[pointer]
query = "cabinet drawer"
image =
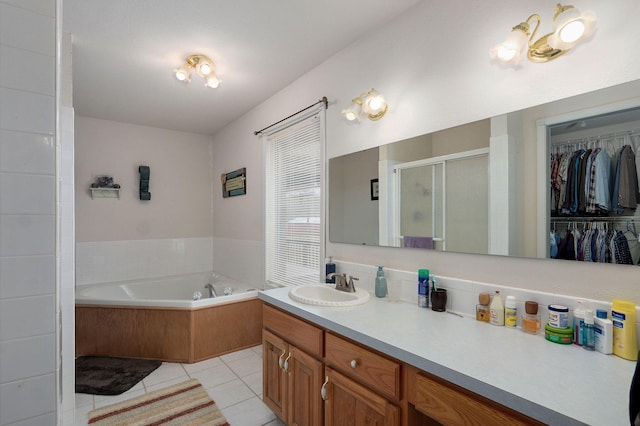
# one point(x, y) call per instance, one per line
point(450, 405)
point(294, 330)
point(373, 370)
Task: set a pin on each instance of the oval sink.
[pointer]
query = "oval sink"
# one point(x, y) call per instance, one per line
point(327, 295)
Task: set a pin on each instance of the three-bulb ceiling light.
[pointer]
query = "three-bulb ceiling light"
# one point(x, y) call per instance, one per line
point(203, 66)
point(370, 104)
point(570, 27)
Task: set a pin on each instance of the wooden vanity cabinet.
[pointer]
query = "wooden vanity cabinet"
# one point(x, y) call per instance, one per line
point(349, 403)
point(315, 377)
point(434, 401)
point(292, 368)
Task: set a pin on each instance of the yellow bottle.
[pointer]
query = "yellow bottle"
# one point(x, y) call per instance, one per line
point(625, 344)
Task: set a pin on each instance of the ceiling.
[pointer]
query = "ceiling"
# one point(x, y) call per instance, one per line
point(124, 53)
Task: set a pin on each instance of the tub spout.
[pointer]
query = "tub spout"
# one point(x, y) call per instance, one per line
point(212, 291)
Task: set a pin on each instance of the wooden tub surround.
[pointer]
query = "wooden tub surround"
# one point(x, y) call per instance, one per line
point(168, 334)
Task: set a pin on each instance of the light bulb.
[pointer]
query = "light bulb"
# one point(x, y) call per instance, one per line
point(572, 31)
point(375, 104)
point(510, 51)
point(205, 69)
point(505, 53)
point(350, 115)
point(212, 82)
point(183, 73)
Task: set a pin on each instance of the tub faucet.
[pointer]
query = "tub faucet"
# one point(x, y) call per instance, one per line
point(212, 291)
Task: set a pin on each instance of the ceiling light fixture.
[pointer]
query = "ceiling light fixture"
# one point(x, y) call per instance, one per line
point(203, 66)
point(570, 26)
point(369, 104)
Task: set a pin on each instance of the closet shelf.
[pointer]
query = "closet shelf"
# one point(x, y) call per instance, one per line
point(105, 193)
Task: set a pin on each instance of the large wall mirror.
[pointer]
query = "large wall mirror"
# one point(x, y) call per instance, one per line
point(480, 187)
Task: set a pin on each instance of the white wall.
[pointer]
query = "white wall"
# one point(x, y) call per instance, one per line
point(28, 306)
point(432, 85)
point(180, 182)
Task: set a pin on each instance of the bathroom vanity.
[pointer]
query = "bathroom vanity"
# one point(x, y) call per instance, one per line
point(392, 363)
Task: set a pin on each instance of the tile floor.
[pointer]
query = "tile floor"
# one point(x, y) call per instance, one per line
point(234, 382)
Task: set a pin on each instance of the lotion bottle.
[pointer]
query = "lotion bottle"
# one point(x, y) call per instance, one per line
point(510, 312)
point(623, 315)
point(381, 283)
point(496, 310)
point(603, 332)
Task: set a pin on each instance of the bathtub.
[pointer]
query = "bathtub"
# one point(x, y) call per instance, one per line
point(159, 318)
point(170, 292)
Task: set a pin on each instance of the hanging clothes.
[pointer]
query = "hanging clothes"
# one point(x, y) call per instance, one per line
point(625, 190)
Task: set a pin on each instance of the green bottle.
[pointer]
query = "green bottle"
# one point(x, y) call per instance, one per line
point(381, 283)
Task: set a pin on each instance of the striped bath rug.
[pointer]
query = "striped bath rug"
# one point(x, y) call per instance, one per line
point(186, 403)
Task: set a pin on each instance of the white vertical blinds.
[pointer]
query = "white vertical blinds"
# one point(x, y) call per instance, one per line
point(293, 204)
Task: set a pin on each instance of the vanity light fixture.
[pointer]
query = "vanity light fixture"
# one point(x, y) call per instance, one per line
point(203, 66)
point(570, 26)
point(369, 104)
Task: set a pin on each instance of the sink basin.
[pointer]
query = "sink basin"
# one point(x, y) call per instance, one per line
point(327, 295)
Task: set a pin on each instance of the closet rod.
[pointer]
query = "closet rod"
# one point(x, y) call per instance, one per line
point(595, 138)
point(594, 219)
point(321, 101)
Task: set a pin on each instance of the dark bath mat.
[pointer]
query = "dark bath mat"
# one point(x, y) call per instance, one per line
point(99, 375)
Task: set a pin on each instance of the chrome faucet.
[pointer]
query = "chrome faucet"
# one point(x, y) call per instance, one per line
point(341, 282)
point(212, 291)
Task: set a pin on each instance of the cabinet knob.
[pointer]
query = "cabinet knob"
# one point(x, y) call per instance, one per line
point(323, 390)
point(280, 360)
point(354, 363)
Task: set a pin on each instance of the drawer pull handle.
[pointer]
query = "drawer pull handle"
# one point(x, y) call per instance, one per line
point(354, 363)
point(280, 360)
point(286, 364)
point(323, 390)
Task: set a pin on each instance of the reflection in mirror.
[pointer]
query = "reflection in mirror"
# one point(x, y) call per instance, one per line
point(432, 192)
point(594, 166)
point(515, 202)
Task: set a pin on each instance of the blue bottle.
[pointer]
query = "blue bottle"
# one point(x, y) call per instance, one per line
point(329, 268)
point(381, 283)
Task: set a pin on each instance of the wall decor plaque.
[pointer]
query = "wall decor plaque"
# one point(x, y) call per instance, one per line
point(234, 183)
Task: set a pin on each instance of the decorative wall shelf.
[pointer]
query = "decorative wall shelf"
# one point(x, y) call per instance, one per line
point(105, 192)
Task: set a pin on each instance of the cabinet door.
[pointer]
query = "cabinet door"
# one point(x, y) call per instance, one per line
point(305, 381)
point(275, 379)
point(348, 403)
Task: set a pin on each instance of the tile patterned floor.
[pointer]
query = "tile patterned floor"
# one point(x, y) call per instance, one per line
point(234, 382)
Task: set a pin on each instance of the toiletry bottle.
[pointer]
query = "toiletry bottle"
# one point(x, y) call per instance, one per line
point(496, 310)
point(578, 320)
point(381, 283)
point(588, 331)
point(603, 332)
point(329, 268)
point(510, 312)
point(530, 318)
point(423, 288)
point(482, 308)
point(623, 315)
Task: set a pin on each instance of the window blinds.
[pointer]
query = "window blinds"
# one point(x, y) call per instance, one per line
point(293, 204)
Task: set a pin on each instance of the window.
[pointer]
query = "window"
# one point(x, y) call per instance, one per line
point(294, 232)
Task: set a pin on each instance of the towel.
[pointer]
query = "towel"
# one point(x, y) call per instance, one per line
point(144, 171)
point(418, 242)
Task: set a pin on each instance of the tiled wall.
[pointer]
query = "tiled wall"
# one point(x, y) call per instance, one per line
point(107, 261)
point(28, 361)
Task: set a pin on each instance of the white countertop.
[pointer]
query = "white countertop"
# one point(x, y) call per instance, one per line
point(556, 384)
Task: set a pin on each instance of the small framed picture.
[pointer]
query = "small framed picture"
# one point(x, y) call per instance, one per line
point(374, 189)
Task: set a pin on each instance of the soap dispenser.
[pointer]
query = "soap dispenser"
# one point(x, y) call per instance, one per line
point(381, 283)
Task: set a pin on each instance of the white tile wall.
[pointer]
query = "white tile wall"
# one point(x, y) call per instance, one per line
point(106, 261)
point(240, 259)
point(28, 307)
